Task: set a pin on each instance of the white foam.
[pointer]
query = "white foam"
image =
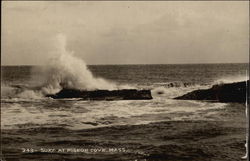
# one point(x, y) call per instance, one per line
point(231, 79)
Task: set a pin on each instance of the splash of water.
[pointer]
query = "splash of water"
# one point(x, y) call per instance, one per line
point(67, 71)
point(64, 70)
point(9, 91)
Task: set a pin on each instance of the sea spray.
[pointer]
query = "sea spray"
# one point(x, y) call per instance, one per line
point(67, 71)
point(7, 91)
point(230, 79)
point(64, 70)
point(19, 91)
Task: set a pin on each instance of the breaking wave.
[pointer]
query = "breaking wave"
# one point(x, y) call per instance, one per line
point(231, 79)
point(64, 70)
point(67, 71)
point(9, 91)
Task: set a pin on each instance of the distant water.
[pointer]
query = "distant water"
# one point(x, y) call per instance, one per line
point(26, 109)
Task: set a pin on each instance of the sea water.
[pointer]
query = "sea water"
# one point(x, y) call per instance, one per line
point(31, 109)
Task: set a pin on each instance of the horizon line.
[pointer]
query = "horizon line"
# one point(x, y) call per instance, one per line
point(130, 64)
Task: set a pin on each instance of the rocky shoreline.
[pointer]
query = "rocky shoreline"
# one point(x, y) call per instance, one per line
point(124, 94)
point(231, 92)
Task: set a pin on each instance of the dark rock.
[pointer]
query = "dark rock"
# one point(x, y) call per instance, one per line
point(124, 94)
point(232, 92)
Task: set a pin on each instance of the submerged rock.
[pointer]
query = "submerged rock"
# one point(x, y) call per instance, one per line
point(124, 94)
point(232, 92)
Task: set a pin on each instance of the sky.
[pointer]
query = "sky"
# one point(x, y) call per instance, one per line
point(127, 32)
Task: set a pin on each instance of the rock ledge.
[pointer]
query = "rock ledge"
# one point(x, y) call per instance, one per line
point(231, 92)
point(124, 94)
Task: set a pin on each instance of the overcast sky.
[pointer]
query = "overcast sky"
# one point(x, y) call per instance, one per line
point(127, 32)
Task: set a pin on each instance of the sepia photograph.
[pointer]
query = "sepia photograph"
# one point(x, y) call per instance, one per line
point(124, 80)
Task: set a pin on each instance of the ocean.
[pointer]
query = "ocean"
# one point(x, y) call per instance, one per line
point(159, 129)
